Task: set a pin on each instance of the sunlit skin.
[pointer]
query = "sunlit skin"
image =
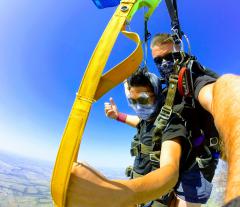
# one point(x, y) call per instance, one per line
point(226, 113)
point(161, 50)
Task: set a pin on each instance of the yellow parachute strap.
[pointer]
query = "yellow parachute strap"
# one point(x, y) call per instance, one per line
point(121, 71)
point(69, 147)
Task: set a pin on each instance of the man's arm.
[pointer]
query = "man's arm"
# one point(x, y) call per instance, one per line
point(205, 97)
point(162, 180)
point(132, 120)
point(89, 188)
point(222, 100)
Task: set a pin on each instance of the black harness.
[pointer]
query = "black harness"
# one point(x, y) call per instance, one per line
point(173, 13)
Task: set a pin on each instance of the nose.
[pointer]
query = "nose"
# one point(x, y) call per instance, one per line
point(164, 64)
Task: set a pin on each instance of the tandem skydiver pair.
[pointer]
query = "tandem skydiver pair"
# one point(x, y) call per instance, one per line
point(89, 188)
point(186, 127)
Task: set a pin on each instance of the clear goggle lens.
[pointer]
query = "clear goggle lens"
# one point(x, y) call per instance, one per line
point(143, 99)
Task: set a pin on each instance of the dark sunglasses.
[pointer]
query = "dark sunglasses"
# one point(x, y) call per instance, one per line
point(172, 56)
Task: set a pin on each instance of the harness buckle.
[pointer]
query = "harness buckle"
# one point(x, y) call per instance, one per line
point(135, 150)
point(213, 141)
point(204, 162)
point(129, 171)
point(153, 158)
point(165, 113)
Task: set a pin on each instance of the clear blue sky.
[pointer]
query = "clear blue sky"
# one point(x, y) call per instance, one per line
point(45, 46)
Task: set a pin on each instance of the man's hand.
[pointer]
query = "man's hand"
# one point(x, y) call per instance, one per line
point(89, 188)
point(111, 110)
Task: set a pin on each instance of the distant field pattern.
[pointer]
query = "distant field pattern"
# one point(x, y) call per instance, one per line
point(23, 182)
point(26, 183)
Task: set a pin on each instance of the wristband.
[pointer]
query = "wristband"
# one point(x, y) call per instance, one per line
point(121, 117)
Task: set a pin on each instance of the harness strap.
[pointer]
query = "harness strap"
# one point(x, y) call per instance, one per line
point(140, 148)
point(180, 81)
point(173, 13)
point(155, 159)
point(185, 80)
point(128, 171)
point(166, 110)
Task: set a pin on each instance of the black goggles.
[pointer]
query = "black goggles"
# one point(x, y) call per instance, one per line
point(172, 56)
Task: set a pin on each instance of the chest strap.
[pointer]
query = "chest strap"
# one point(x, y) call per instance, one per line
point(138, 148)
point(166, 111)
point(181, 80)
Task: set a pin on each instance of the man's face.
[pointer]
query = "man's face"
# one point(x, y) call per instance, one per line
point(162, 55)
point(160, 50)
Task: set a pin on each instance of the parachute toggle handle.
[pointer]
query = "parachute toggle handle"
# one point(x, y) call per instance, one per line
point(151, 4)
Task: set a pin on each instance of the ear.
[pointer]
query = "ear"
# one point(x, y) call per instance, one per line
point(126, 89)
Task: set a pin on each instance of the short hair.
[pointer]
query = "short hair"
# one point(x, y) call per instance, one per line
point(163, 38)
point(140, 78)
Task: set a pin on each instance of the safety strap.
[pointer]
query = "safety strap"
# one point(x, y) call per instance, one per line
point(166, 111)
point(173, 13)
point(86, 95)
point(147, 36)
point(181, 88)
point(138, 148)
point(185, 85)
point(128, 171)
point(181, 80)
